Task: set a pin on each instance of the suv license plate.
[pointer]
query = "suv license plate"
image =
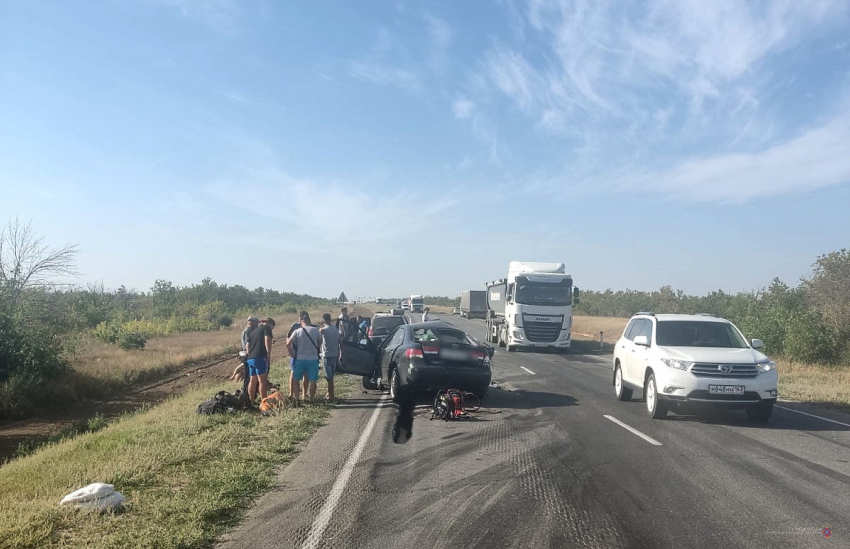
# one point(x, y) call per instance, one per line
point(726, 389)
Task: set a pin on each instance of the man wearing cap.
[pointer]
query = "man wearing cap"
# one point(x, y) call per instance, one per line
point(259, 358)
point(252, 323)
point(304, 344)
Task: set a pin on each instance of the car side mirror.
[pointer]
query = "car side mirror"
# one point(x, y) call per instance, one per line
point(642, 341)
point(757, 343)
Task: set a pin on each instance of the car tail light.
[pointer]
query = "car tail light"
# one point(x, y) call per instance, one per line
point(478, 355)
point(414, 353)
point(371, 331)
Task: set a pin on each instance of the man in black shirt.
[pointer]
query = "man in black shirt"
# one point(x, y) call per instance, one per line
point(259, 358)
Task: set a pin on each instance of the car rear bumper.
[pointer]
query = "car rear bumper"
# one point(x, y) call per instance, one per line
point(439, 377)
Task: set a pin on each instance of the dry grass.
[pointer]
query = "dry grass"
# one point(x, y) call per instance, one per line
point(588, 328)
point(814, 383)
point(100, 368)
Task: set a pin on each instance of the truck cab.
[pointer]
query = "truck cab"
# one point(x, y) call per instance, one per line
point(532, 307)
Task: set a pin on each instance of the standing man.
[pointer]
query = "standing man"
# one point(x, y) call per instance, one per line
point(342, 324)
point(426, 315)
point(304, 345)
point(259, 358)
point(252, 323)
point(330, 351)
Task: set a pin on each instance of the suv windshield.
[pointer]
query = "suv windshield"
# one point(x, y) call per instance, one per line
point(695, 333)
point(543, 294)
point(383, 325)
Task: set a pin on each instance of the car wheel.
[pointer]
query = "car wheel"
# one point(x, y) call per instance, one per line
point(654, 406)
point(370, 384)
point(761, 412)
point(395, 386)
point(621, 391)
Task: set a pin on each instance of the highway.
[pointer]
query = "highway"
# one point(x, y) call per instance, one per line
point(554, 460)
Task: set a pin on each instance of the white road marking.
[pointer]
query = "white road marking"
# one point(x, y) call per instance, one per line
point(527, 370)
point(633, 430)
point(324, 516)
point(812, 415)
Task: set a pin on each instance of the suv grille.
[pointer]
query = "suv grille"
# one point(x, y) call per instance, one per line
point(542, 331)
point(703, 369)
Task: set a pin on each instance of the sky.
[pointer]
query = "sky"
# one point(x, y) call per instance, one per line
point(388, 148)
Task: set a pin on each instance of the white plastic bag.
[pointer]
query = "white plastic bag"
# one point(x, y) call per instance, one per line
point(96, 497)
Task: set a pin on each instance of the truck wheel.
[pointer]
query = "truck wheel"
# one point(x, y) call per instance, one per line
point(620, 390)
point(761, 412)
point(654, 406)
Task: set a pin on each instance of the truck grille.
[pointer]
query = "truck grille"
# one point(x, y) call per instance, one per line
point(542, 332)
point(707, 369)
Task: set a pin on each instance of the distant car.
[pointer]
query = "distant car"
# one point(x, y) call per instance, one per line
point(424, 356)
point(456, 311)
point(679, 361)
point(405, 306)
point(382, 325)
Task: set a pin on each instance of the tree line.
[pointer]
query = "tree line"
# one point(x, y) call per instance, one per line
point(809, 322)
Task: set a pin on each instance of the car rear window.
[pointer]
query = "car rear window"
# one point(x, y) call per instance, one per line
point(693, 333)
point(440, 335)
point(386, 324)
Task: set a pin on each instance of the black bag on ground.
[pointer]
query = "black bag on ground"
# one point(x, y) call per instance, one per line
point(219, 404)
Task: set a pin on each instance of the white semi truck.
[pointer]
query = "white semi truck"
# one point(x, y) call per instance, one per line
point(417, 303)
point(532, 307)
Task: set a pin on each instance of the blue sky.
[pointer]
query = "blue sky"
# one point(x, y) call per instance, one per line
point(389, 148)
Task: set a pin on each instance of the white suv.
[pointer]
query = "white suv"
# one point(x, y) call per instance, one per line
point(678, 360)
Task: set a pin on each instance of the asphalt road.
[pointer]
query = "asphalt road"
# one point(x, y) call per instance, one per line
point(542, 465)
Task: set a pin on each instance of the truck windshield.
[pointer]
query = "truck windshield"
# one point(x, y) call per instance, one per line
point(543, 294)
point(676, 333)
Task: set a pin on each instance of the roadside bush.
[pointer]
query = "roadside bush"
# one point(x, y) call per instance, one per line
point(30, 357)
point(130, 341)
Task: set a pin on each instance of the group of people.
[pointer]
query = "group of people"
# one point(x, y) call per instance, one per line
point(307, 345)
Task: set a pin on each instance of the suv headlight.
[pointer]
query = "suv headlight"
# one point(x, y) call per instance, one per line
point(677, 364)
point(766, 366)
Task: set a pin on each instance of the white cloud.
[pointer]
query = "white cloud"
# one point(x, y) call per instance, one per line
point(385, 75)
point(441, 40)
point(817, 158)
point(463, 108)
point(219, 15)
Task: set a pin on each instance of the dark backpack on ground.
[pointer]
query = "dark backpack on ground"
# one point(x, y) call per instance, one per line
point(219, 404)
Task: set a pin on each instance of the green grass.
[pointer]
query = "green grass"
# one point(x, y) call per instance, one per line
point(186, 477)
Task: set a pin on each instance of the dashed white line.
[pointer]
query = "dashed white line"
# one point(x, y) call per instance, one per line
point(812, 415)
point(647, 438)
point(324, 516)
point(527, 370)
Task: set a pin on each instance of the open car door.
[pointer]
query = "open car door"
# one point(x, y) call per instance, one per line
point(357, 357)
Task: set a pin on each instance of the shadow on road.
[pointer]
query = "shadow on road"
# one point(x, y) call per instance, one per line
point(780, 420)
point(498, 397)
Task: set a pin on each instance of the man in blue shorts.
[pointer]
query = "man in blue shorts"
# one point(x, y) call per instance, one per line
point(330, 351)
point(259, 358)
point(304, 345)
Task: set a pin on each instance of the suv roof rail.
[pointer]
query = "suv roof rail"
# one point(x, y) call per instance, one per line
point(647, 313)
point(708, 314)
